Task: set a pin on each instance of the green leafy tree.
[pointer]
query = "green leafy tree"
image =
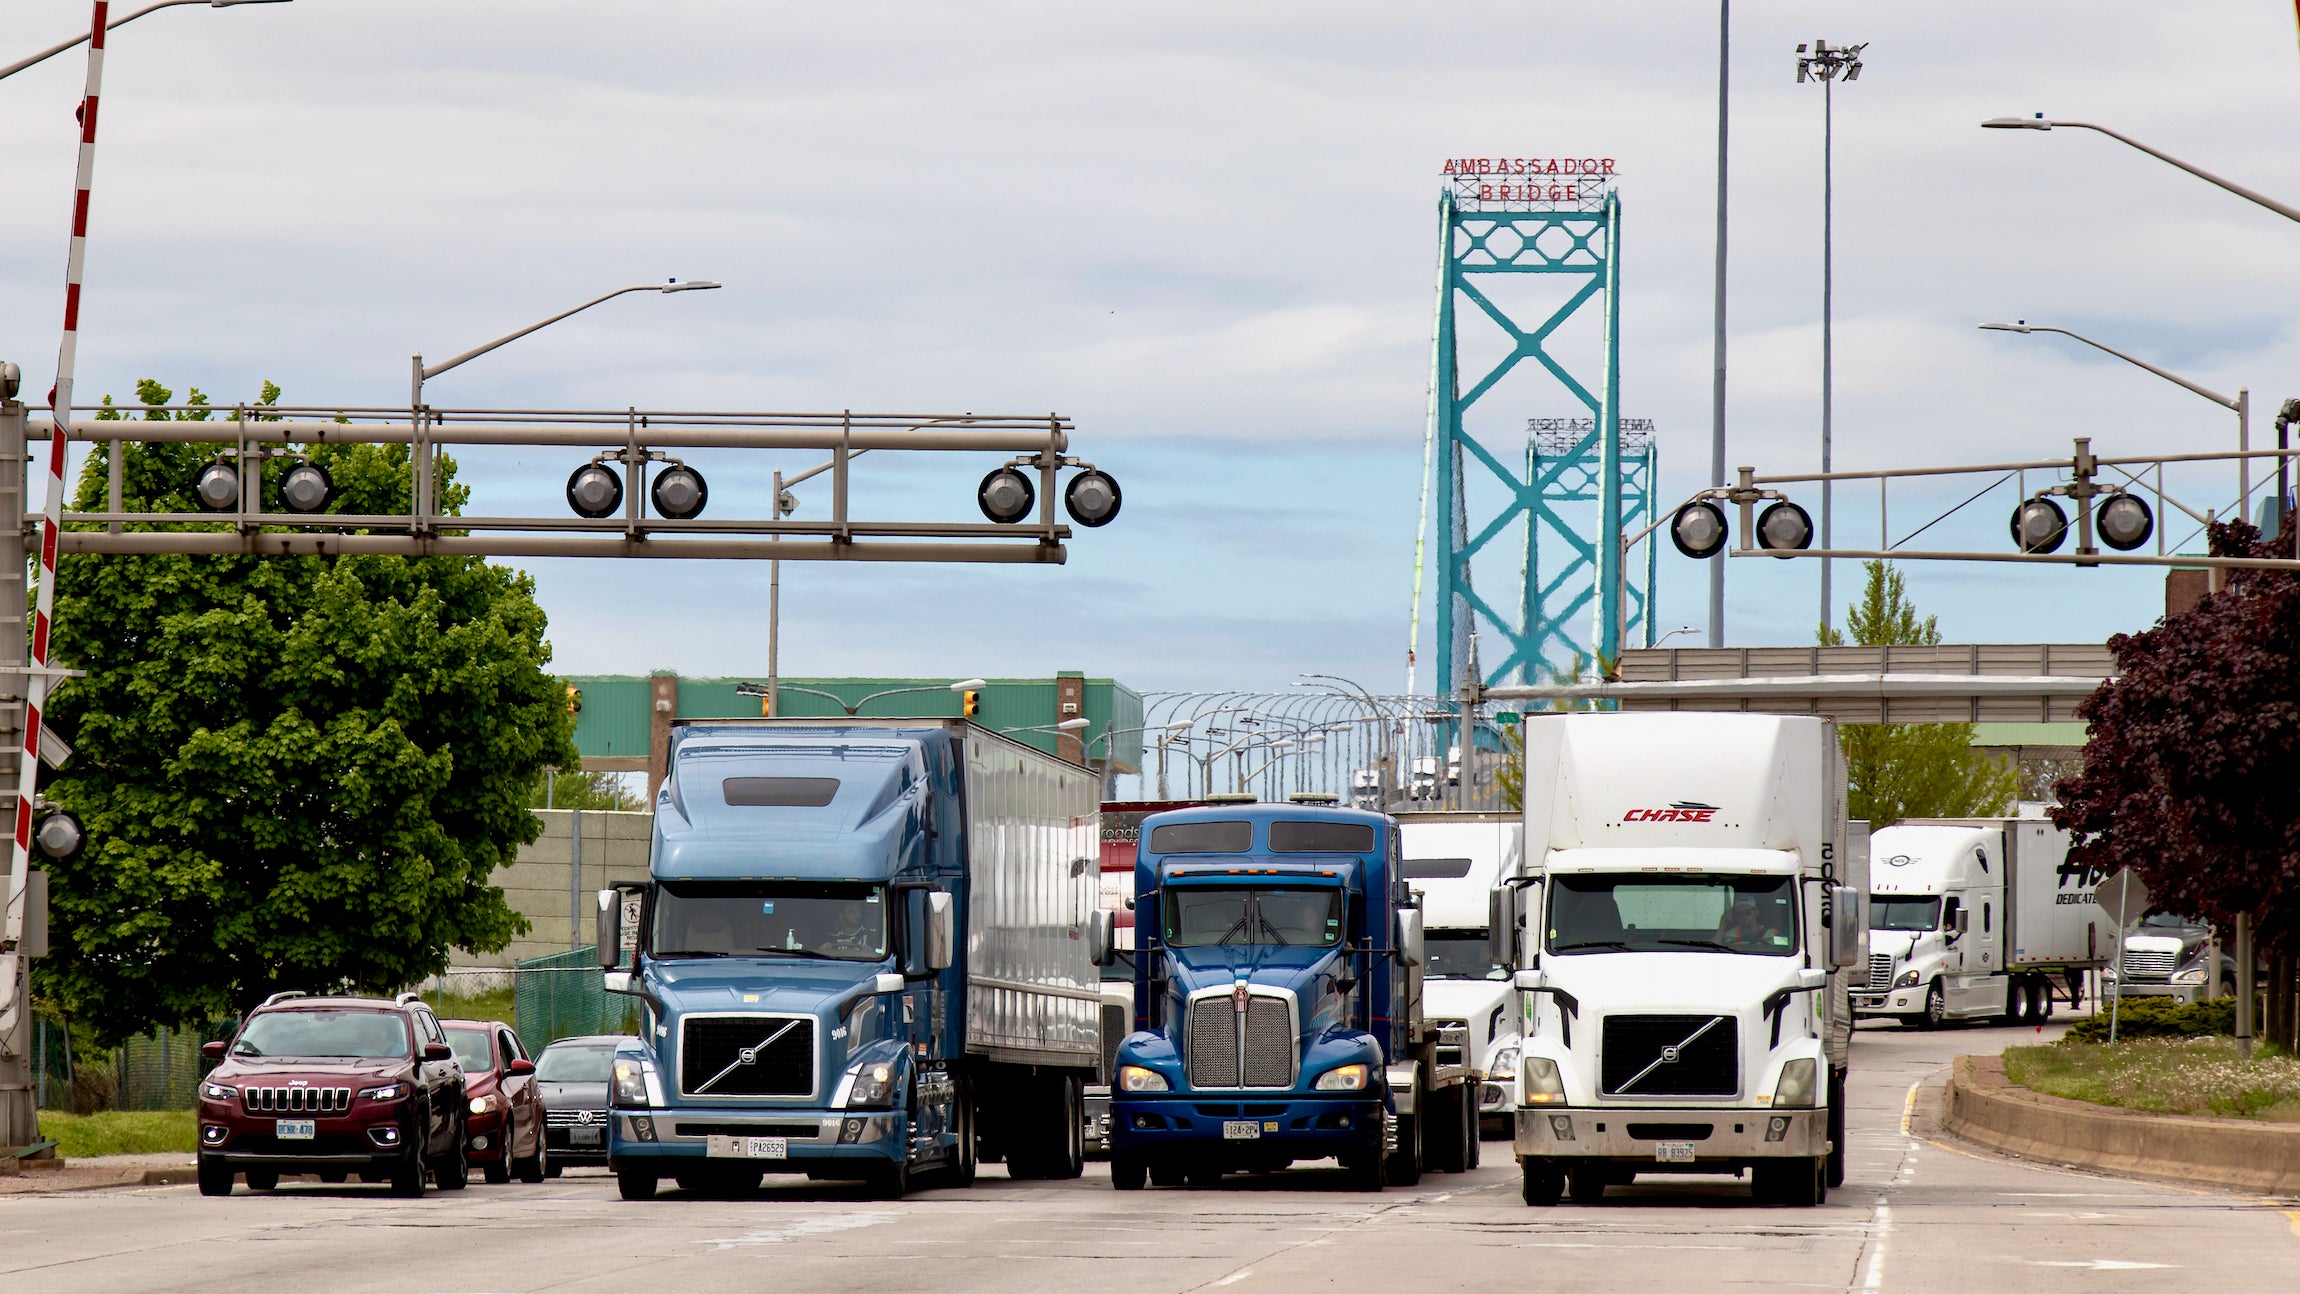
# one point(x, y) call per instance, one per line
point(295, 772)
point(1911, 770)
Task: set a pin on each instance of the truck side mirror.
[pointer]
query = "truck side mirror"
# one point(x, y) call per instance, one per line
point(1103, 937)
point(1964, 920)
point(1500, 929)
point(608, 929)
point(1409, 937)
point(1844, 926)
point(941, 930)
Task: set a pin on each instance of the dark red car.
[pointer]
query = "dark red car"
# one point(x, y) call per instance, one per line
point(504, 1134)
point(333, 1086)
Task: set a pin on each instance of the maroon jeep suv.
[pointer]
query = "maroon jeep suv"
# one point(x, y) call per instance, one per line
point(334, 1086)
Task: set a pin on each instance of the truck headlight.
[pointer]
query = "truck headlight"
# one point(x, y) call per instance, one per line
point(1796, 1089)
point(1343, 1078)
point(1539, 1083)
point(873, 1084)
point(1134, 1078)
point(1503, 1064)
point(2193, 975)
point(630, 1086)
point(1908, 979)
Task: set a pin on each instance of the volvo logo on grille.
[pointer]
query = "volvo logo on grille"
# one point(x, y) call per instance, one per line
point(747, 1056)
point(1668, 1055)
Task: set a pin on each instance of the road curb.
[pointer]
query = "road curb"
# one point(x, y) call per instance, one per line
point(1985, 1107)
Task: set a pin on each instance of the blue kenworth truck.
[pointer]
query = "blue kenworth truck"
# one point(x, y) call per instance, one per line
point(1278, 1008)
point(867, 949)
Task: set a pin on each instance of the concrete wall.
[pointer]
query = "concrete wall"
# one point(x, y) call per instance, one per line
point(614, 848)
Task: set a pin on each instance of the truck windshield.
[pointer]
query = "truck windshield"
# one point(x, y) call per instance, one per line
point(1460, 955)
point(1298, 918)
point(1668, 914)
point(840, 922)
point(1889, 912)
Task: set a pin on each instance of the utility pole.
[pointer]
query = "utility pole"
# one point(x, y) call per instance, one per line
point(1717, 386)
point(1827, 64)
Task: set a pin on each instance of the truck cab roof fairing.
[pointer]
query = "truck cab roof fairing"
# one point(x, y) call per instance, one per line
point(856, 834)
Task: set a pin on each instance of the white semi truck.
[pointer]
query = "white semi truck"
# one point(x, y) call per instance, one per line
point(1453, 860)
point(1980, 918)
point(1688, 907)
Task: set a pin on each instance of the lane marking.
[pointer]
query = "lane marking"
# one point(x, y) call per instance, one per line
point(1236, 1276)
point(2295, 1216)
point(2104, 1265)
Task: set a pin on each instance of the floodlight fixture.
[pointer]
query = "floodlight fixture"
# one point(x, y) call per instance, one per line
point(968, 685)
point(2039, 526)
point(679, 492)
point(2124, 521)
point(2037, 122)
point(1699, 529)
point(1005, 496)
point(59, 835)
point(594, 491)
point(1784, 528)
point(1092, 498)
point(217, 487)
point(307, 487)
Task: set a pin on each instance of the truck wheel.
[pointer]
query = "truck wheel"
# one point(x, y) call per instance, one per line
point(1364, 1170)
point(1128, 1172)
point(1405, 1167)
point(1072, 1139)
point(1793, 1183)
point(962, 1154)
point(1469, 1128)
point(1936, 1007)
point(632, 1184)
point(1204, 1176)
point(1836, 1128)
point(1543, 1184)
point(1587, 1183)
point(215, 1175)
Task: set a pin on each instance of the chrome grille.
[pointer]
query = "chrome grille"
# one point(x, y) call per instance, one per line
point(1269, 1057)
point(2154, 962)
point(747, 1055)
point(574, 1118)
point(1880, 971)
point(296, 1100)
point(1114, 1022)
point(1670, 1055)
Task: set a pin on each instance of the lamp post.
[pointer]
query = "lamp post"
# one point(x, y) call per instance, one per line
point(419, 373)
point(1717, 344)
point(1387, 770)
point(1826, 64)
point(2240, 403)
point(1167, 731)
point(114, 25)
point(2040, 122)
point(1066, 726)
point(760, 690)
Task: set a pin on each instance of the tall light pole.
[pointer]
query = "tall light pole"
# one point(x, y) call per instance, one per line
point(1717, 387)
point(114, 24)
point(2240, 404)
point(2041, 122)
point(1827, 64)
point(419, 373)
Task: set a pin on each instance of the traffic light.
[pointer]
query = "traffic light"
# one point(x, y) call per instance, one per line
point(574, 699)
point(969, 701)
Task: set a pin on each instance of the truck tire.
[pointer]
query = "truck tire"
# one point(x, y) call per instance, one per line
point(1404, 1168)
point(1542, 1184)
point(1936, 1007)
point(1587, 1183)
point(1469, 1125)
point(1128, 1172)
point(962, 1154)
point(635, 1184)
point(1442, 1152)
point(1364, 1170)
point(890, 1181)
point(1072, 1137)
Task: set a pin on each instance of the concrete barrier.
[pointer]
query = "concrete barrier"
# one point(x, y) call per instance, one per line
point(1986, 1107)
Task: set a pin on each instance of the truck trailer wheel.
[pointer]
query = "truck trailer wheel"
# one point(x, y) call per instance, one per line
point(1543, 1184)
point(1165, 1174)
point(1447, 1149)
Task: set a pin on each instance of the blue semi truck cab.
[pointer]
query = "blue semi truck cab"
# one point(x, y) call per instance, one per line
point(1277, 1005)
point(867, 950)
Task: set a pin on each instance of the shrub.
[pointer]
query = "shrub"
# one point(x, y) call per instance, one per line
point(2160, 1017)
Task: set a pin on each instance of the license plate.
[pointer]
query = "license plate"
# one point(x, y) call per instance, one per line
point(1241, 1129)
point(295, 1129)
point(747, 1147)
point(1673, 1152)
point(584, 1136)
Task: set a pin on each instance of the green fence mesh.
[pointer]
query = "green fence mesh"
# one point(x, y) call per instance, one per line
point(560, 996)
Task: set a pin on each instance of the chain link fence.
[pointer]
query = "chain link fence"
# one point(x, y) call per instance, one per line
point(562, 995)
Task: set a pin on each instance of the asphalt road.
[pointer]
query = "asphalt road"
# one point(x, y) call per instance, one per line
point(1915, 1214)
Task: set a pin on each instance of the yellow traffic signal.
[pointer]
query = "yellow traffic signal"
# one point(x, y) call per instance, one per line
point(969, 702)
point(574, 699)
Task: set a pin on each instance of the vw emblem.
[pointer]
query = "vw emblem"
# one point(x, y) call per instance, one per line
point(1668, 1055)
point(586, 1117)
point(746, 1055)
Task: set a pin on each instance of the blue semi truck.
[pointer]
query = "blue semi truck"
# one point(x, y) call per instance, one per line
point(1277, 1005)
point(867, 950)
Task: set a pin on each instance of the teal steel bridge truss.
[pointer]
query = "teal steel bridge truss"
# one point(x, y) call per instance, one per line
point(1571, 604)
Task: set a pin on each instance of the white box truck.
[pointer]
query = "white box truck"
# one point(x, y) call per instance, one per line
point(1453, 860)
point(1978, 918)
point(1688, 908)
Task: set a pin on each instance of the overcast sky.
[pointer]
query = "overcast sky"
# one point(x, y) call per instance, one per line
point(1206, 232)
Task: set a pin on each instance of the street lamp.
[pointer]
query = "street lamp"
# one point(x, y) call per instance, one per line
point(1167, 733)
point(117, 23)
point(2240, 404)
point(760, 690)
point(1827, 65)
point(419, 373)
point(2039, 122)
